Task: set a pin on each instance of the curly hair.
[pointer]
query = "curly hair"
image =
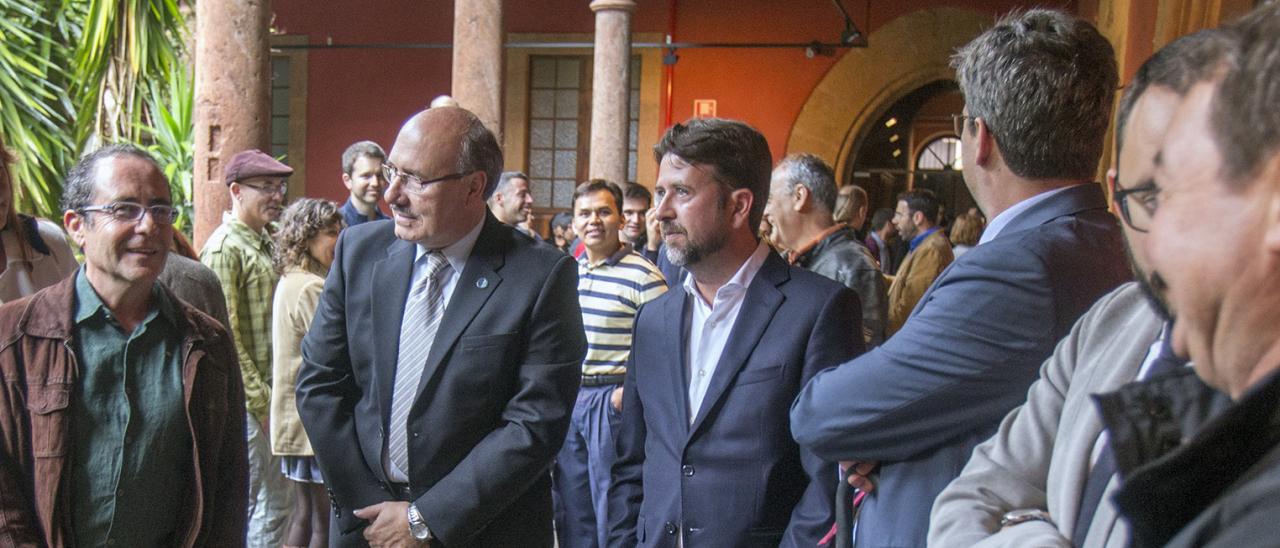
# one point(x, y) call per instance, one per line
point(300, 223)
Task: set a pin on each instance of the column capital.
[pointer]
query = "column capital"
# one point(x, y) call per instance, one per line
point(613, 5)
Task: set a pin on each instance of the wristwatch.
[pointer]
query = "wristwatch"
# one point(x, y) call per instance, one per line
point(417, 527)
point(1024, 515)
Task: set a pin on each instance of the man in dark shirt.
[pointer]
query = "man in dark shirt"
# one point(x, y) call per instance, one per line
point(362, 175)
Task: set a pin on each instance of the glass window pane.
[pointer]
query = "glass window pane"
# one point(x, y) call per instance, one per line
point(633, 133)
point(566, 164)
point(635, 73)
point(541, 191)
point(634, 106)
point(544, 72)
point(567, 103)
point(567, 73)
point(542, 103)
point(564, 193)
point(540, 133)
point(280, 130)
point(280, 71)
point(567, 134)
point(631, 167)
point(280, 102)
point(540, 163)
point(280, 151)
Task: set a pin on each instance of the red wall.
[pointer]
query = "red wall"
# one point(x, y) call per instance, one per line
point(356, 94)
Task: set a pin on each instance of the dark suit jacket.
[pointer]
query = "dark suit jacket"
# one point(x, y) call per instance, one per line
point(734, 478)
point(965, 357)
point(495, 396)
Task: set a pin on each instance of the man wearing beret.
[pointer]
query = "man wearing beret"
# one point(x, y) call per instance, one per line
point(239, 252)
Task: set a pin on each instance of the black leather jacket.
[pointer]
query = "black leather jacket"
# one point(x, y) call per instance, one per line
point(844, 259)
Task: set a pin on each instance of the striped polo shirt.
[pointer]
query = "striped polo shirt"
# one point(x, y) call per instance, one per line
point(610, 292)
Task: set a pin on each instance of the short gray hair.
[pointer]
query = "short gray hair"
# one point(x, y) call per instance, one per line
point(479, 151)
point(504, 180)
point(812, 172)
point(365, 149)
point(1043, 81)
point(77, 191)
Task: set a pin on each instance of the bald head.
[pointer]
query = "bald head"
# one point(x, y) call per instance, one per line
point(452, 148)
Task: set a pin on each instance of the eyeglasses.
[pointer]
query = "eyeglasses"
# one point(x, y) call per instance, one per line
point(1146, 195)
point(412, 183)
point(129, 212)
point(270, 188)
point(957, 123)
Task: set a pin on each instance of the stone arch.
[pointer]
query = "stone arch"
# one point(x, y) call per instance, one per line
point(905, 54)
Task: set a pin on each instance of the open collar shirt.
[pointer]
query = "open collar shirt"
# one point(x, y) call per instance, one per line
point(711, 323)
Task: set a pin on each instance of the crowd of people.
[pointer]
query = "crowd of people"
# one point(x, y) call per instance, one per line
point(742, 357)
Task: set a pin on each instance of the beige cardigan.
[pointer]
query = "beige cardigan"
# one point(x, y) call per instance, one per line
point(296, 298)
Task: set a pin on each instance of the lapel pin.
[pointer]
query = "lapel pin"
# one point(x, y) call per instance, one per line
point(482, 283)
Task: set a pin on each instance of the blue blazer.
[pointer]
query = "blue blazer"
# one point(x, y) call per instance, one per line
point(495, 395)
point(734, 478)
point(920, 402)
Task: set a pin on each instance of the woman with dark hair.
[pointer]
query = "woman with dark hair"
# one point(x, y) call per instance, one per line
point(304, 251)
point(33, 252)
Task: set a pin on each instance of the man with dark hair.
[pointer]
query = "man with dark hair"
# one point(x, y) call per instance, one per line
point(1045, 478)
point(613, 283)
point(802, 192)
point(362, 175)
point(1038, 88)
point(636, 201)
point(122, 413)
point(880, 240)
point(511, 201)
point(928, 253)
point(441, 367)
point(239, 252)
point(704, 455)
point(1219, 159)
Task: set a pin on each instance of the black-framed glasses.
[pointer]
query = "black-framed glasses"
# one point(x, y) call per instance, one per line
point(130, 212)
point(1146, 195)
point(957, 123)
point(412, 183)
point(281, 187)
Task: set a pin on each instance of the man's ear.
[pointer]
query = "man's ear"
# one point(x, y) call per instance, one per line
point(802, 197)
point(985, 141)
point(1271, 235)
point(740, 201)
point(75, 224)
point(917, 218)
point(236, 190)
point(478, 184)
point(346, 180)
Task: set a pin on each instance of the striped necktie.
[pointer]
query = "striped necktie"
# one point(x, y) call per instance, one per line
point(422, 314)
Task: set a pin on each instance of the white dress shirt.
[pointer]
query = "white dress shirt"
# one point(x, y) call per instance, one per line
point(457, 254)
point(1005, 217)
point(711, 323)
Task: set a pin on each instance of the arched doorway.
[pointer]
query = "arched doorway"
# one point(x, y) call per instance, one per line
point(906, 65)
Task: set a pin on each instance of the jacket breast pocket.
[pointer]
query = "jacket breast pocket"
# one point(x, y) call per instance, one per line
point(761, 374)
point(50, 425)
point(499, 344)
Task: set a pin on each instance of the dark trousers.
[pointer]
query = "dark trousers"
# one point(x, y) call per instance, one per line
point(582, 470)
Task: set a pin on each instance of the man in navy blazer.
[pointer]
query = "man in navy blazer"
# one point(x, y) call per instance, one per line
point(1038, 88)
point(488, 406)
point(705, 455)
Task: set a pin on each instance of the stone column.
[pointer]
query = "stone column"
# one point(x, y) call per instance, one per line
point(610, 90)
point(232, 108)
point(477, 60)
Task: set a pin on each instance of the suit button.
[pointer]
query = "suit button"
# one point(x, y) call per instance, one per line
point(687, 470)
point(670, 528)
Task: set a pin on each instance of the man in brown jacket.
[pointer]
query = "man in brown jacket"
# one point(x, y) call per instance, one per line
point(121, 408)
point(929, 253)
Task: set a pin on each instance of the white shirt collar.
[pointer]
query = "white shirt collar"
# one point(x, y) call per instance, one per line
point(458, 252)
point(1005, 217)
point(740, 280)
